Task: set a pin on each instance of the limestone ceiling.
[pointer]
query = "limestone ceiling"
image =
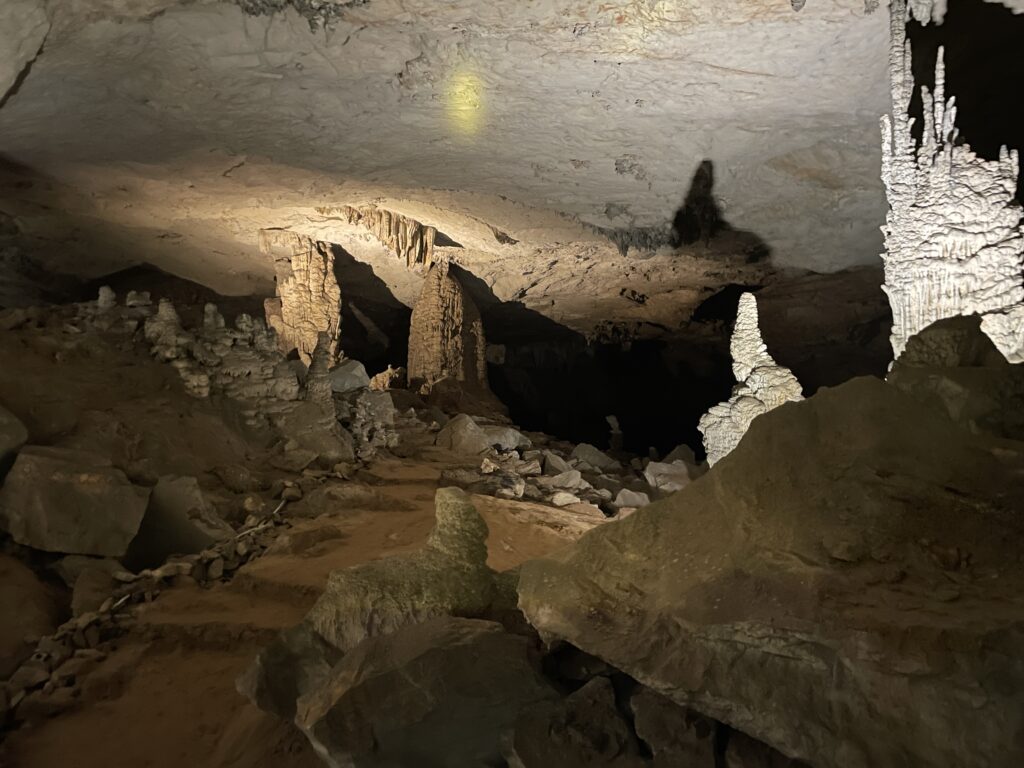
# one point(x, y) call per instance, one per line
point(215, 122)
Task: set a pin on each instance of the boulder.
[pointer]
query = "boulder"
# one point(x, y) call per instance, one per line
point(178, 521)
point(628, 498)
point(347, 376)
point(60, 500)
point(298, 662)
point(953, 366)
point(441, 693)
point(92, 587)
point(814, 598)
point(462, 435)
point(29, 610)
point(448, 577)
point(13, 435)
point(596, 458)
point(677, 736)
point(564, 499)
point(669, 477)
point(555, 464)
point(681, 453)
point(506, 438)
point(584, 729)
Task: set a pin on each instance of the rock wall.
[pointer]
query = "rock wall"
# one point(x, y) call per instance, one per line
point(308, 297)
point(954, 242)
point(763, 385)
point(23, 30)
point(446, 337)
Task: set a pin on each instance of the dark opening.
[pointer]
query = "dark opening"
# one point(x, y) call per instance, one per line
point(984, 71)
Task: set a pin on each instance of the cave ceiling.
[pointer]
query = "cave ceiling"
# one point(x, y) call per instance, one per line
point(172, 132)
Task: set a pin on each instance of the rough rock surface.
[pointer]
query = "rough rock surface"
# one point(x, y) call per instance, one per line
point(812, 598)
point(763, 385)
point(407, 238)
point(59, 500)
point(308, 297)
point(28, 611)
point(23, 30)
point(13, 435)
point(954, 366)
point(178, 521)
point(463, 435)
point(583, 729)
point(954, 238)
point(348, 375)
point(439, 693)
point(460, 104)
point(446, 334)
point(449, 577)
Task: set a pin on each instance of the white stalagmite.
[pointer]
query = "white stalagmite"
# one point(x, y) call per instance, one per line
point(763, 385)
point(953, 236)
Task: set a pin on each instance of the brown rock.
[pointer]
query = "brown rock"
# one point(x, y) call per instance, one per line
point(446, 335)
point(29, 610)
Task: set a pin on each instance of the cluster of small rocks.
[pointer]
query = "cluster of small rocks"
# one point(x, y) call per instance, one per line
point(512, 467)
point(49, 681)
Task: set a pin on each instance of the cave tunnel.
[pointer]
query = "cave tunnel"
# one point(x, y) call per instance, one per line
point(404, 384)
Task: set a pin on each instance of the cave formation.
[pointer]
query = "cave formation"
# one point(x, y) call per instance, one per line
point(400, 383)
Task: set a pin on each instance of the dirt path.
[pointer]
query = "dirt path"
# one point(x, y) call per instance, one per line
point(166, 696)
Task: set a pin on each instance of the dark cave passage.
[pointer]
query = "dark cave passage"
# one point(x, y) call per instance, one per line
point(984, 72)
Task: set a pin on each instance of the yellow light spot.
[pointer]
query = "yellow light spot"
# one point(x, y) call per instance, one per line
point(465, 102)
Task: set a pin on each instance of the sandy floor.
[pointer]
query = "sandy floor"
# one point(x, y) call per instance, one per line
point(165, 696)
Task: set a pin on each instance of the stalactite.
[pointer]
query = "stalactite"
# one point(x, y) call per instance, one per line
point(953, 237)
point(407, 238)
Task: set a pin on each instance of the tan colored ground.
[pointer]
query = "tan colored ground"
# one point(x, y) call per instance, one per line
point(165, 697)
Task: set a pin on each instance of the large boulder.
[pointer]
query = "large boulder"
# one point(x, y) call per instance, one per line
point(582, 730)
point(441, 693)
point(347, 376)
point(953, 366)
point(448, 577)
point(845, 585)
point(60, 500)
point(178, 521)
point(463, 435)
point(595, 457)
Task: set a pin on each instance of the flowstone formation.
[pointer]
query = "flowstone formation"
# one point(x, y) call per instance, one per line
point(954, 241)
point(446, 335)
point(407, 238)
point(308, 298)
point(763, 385)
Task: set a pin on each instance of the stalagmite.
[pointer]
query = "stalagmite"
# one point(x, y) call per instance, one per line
point(318, 380)
point(446, 337)
point(763, 385)
point(954, 243)
point(308, 296)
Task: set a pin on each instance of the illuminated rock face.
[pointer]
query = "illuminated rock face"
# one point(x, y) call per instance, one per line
point(763, 385)
point(407, 238)
point(953, 236)
point(308, 297)
point(23, 29)
point(446, 339)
